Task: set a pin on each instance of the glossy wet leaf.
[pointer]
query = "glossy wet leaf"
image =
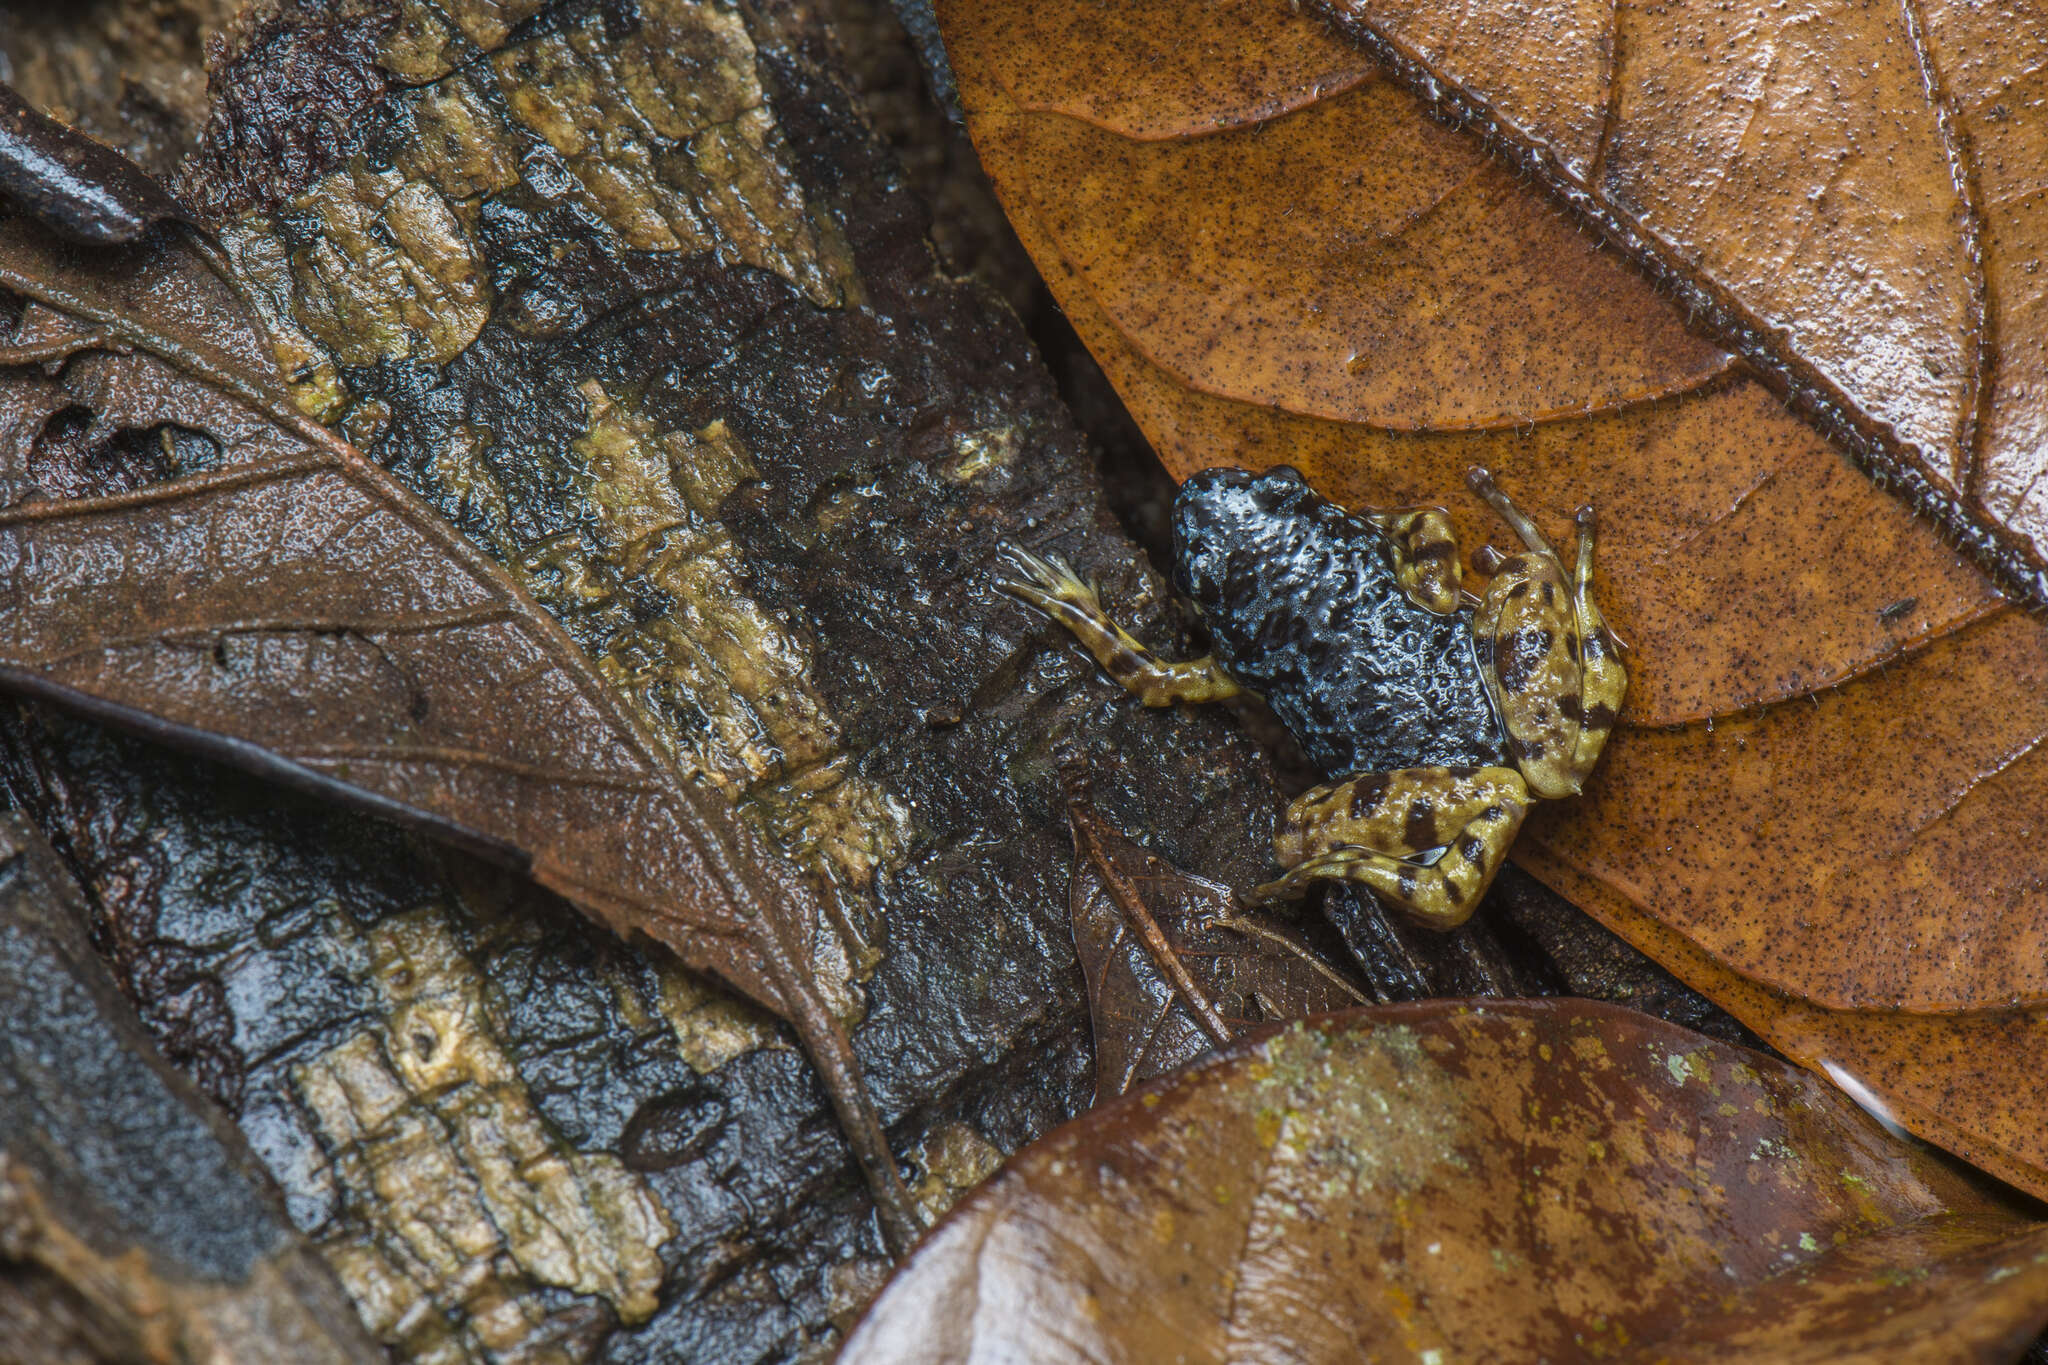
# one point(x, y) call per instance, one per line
point(1830, 757)
point(1967, 1082)
point(1514, 1181)
point(1174, 966)
point(76, 186)
point(1851, 195)
point(291, 608)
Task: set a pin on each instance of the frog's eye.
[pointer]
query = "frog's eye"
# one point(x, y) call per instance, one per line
point(1285, 471)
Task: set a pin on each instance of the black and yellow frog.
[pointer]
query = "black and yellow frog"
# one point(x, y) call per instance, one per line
point(1442, 715)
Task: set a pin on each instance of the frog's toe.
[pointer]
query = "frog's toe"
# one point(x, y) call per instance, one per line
point(1040, 579)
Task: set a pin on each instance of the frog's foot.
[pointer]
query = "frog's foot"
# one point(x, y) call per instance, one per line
point(1481, 482)
point(1048, 584)
point(1441, 895)
point(1424, 549)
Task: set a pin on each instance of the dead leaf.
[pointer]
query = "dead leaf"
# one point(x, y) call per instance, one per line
point(74, 185)
point(294, 610)
point(1515, 1181)
point(1174, 967)
point(1851, 196)
point(1796, 634)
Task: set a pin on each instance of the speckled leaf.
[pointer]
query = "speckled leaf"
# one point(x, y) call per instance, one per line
point(1174, 966)
point(1514, 1181)
point(1793, 630)
point(1850, 195)
point(295, 610)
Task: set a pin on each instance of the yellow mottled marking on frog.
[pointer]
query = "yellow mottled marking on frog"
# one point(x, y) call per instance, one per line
point(1424, 552)
point(1055, 589)
point(1548, 662)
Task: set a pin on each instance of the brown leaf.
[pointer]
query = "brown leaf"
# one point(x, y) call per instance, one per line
point(1850, 196)
point(295, 611)
point(1173, 967)
point(1967, 1082)
point(76, 186)
point(1514, 1181)
point(1795, 632)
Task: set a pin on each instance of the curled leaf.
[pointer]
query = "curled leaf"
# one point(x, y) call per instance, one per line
point(1849, 196)
point(1174, 969)
point(72, 184)
point(1517, 1181)
point(292, 609)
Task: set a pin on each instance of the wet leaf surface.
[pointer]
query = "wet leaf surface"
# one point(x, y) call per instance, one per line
point(135, 1222)
point(1175, 966)
point(1795, 633)
point(72, 184)
point(1518, 1180)
point(512, 1136)
point(1852, 197)
point(297, 611)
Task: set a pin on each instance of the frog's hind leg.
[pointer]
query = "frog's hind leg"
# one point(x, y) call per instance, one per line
point(1052, 587)
point(1603, 681)
point(1366, 829)
point(1424, 550)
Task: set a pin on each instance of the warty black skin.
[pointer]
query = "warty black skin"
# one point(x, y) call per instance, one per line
point(1303, 608)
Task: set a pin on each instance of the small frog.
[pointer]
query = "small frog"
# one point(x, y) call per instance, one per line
point(1443, 716)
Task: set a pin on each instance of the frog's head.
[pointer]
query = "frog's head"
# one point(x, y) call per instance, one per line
point(1225, 522)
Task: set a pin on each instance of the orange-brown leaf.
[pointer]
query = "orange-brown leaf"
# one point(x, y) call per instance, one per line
point(1514, 1181)
point(1830, 759)
point(1851, 194)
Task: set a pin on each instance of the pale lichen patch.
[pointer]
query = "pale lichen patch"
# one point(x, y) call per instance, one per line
point(952, 1159)
point(711, 1027)
point(666, 133)
point(460, 1198)
point(979, 452)
point(392, 274)
point(422, 45)
point(487, 23)
point(723, 682)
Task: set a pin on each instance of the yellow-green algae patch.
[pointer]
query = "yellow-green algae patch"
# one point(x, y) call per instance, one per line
point(461, 1200)
point(662, 133)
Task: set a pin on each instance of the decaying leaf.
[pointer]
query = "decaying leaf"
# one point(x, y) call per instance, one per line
point(1851, 196)
point(74, 185)
point(295, 610)
point(1174, 966)
point(135, 1222)
point(1794, 631)
point(1513, 1181)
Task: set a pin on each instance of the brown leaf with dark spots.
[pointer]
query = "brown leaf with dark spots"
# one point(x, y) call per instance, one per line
point(1850, 195)
point(1827, 767)
point(294, 610)
point(1174, 967)
point(1512, 1181)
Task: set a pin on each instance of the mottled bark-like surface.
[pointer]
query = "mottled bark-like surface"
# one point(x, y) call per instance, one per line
point(636, 297)
point(135, 1223)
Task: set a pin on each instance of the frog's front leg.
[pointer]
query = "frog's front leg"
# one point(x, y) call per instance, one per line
point(1368, 829)
point(1424, 550)
point(1051, 586)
